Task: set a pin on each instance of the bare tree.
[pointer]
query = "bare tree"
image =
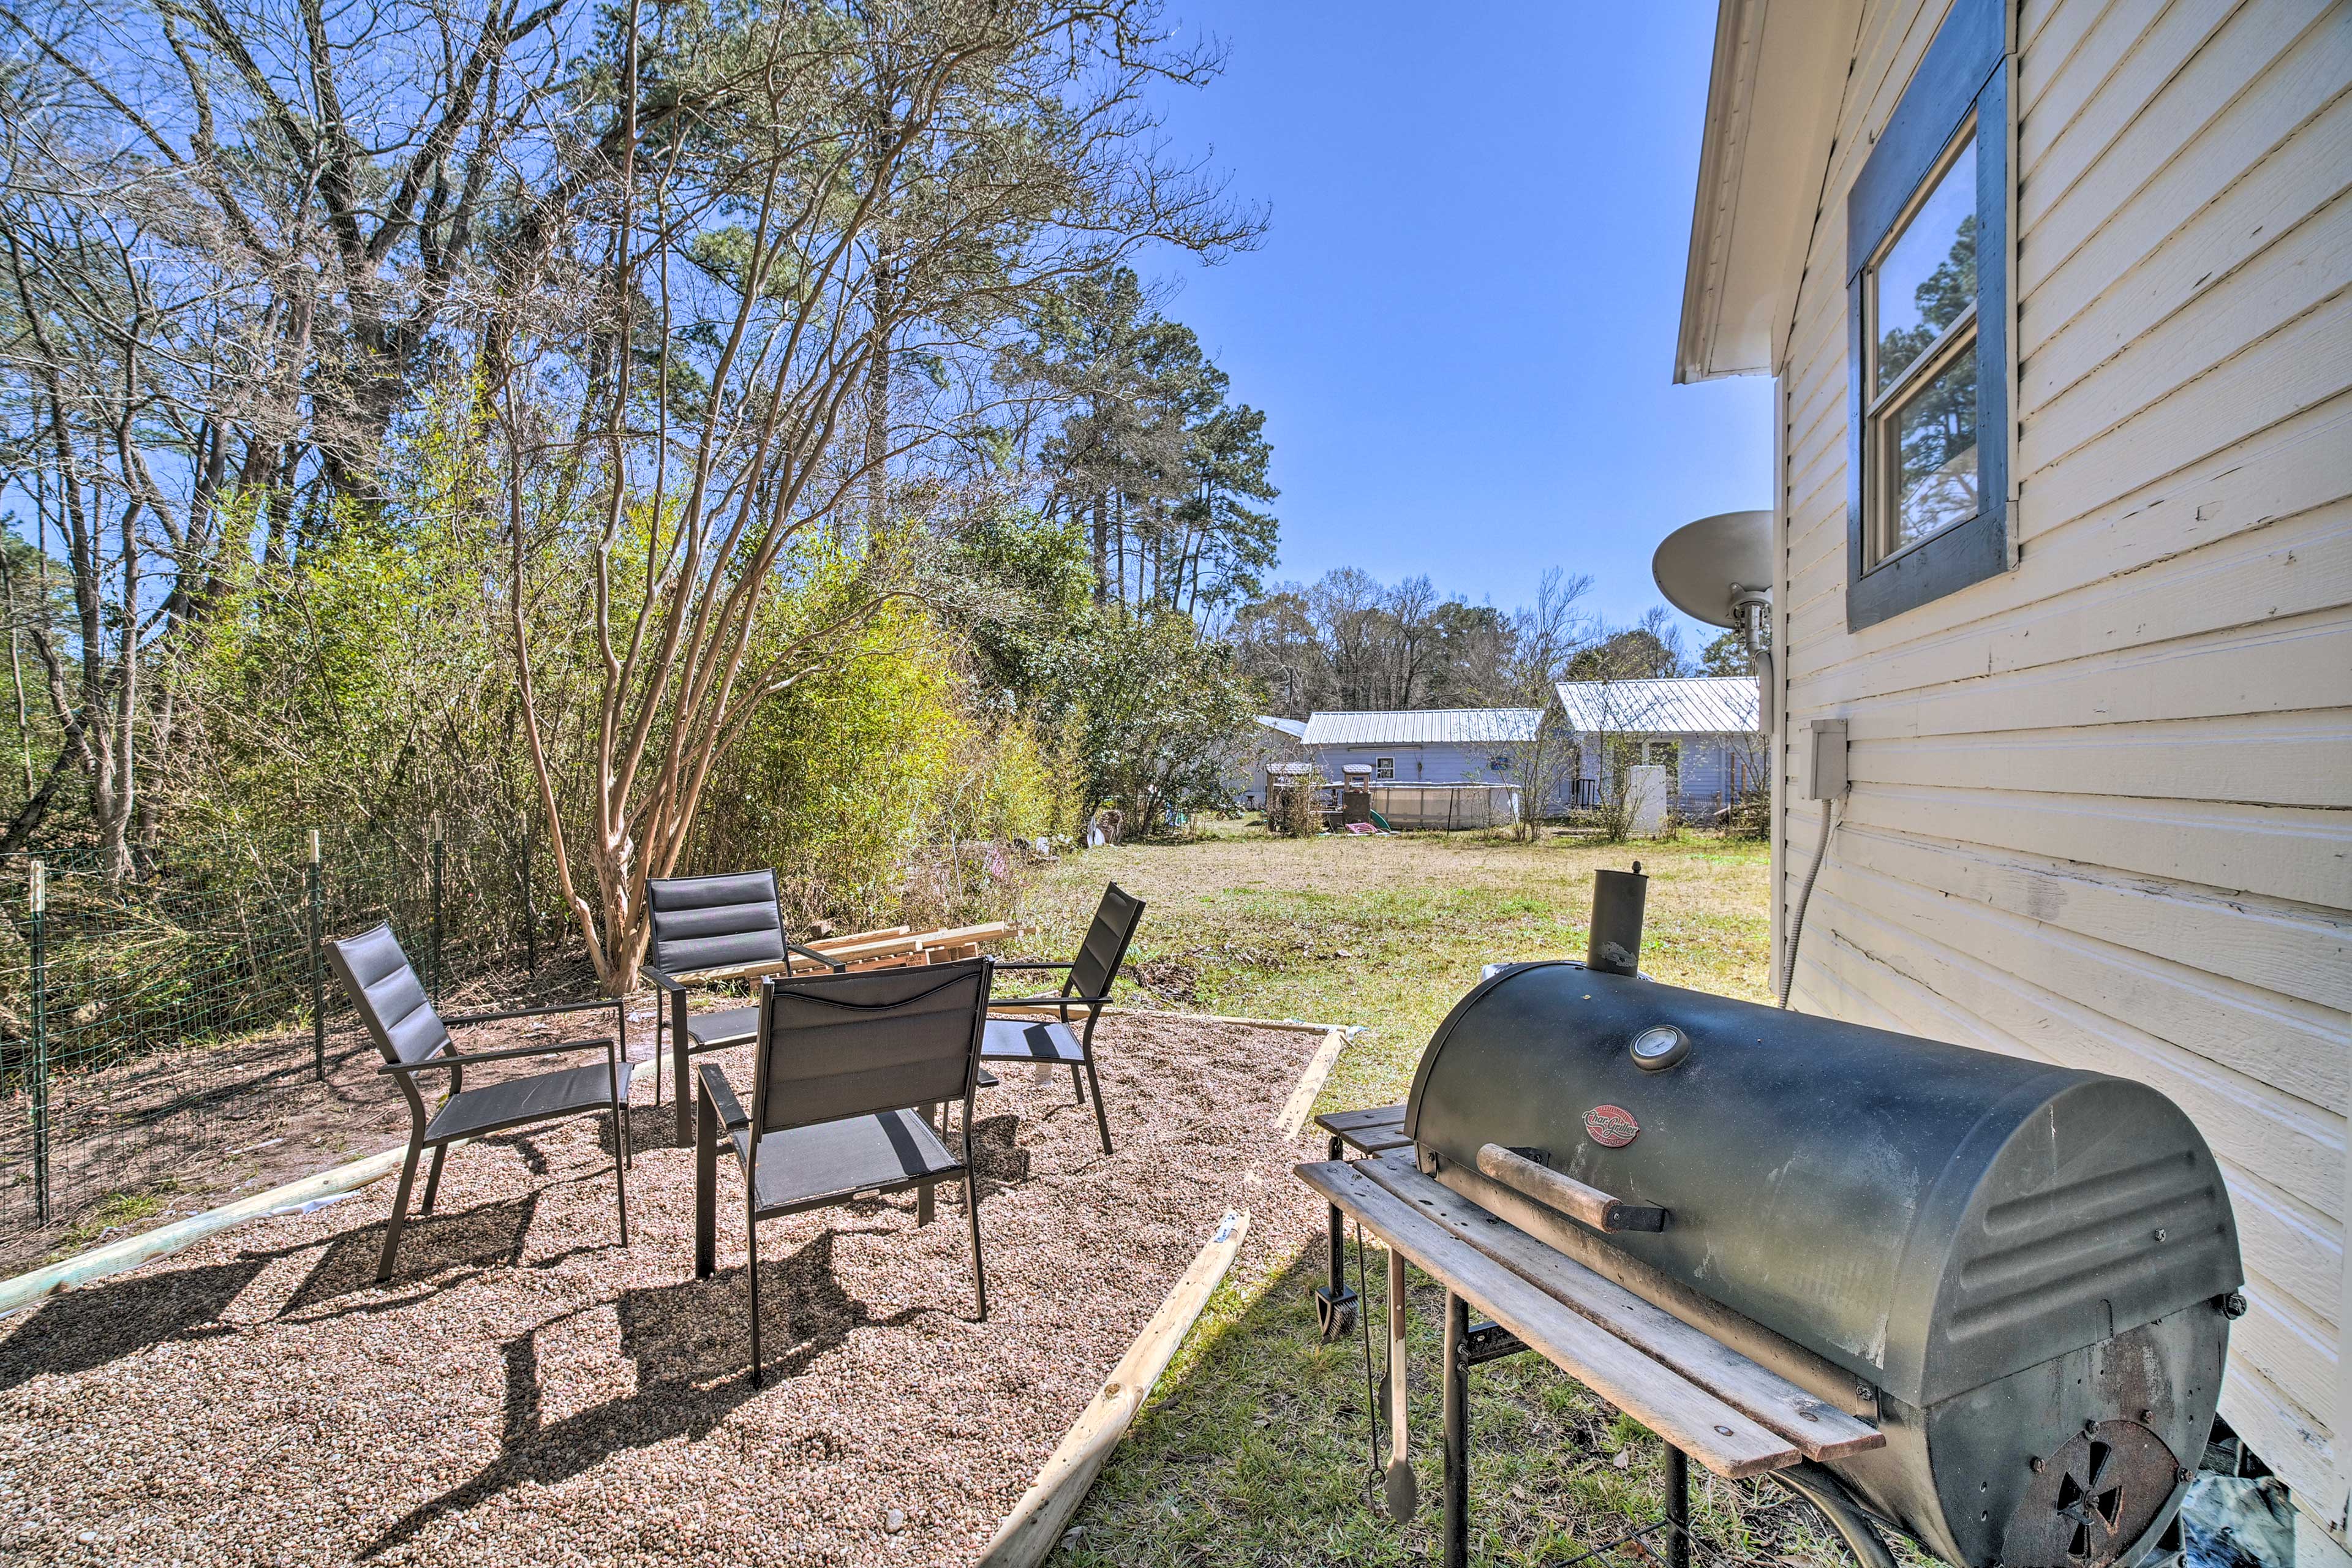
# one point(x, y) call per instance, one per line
point(885, 173)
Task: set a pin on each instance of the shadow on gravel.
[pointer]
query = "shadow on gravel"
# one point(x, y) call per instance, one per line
point(690, 1342)
point(88, 1328)
point(437, 1251)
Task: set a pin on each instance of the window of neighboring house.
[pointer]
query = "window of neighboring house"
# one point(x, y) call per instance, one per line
point(1499, 763)
point(1383, 767)
point(1927, 225)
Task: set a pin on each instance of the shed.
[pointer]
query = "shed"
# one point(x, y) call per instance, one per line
point(1425, 745)
point(2087, 618)
point(1701, 730)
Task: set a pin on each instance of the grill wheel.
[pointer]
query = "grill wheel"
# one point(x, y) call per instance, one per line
point(2094, 1497)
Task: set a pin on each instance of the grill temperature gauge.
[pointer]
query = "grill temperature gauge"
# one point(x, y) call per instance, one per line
point(1660, 1046)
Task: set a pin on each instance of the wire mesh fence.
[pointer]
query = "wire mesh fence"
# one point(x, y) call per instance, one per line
point(151, 1025)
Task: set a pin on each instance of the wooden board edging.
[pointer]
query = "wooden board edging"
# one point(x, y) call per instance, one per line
point(117, 1256)
point(1293, 1115)
point(1034, 1528)
point(1296, 1025)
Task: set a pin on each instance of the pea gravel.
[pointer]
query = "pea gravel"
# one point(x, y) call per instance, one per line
point(526, 1392)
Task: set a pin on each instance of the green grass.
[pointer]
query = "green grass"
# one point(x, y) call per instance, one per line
point(1253, 1450)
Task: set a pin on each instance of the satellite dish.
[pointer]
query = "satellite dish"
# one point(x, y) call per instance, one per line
point(1702, 567)
point(1719, 570)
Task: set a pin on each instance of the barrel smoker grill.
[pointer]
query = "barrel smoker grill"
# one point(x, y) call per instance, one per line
point(2021, 1274)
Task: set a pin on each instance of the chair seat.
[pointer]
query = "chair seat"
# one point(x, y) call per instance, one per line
point(727, 1027)
point(1030, 1040)
point(804, 1166)
point(535, 1099)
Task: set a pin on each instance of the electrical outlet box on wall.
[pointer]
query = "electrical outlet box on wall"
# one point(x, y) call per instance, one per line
point(1824, 775)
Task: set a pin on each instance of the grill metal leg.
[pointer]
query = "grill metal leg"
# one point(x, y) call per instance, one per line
point(1458, 1433)
point(1334, 1304)
point(1678, 1508)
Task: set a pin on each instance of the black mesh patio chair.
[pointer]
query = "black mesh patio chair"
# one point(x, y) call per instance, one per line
point(701, 923)
point(415, 1040)
point(1087, 986)
point(847, 1072)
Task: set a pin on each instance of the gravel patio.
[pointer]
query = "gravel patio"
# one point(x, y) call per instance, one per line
point(525, 1391)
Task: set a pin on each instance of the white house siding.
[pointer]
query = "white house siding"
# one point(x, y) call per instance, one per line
point(2102, 805)
point(1446, 764)
point(1708, 772)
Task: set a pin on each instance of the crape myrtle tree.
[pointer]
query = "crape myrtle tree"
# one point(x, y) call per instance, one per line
point(762, 212)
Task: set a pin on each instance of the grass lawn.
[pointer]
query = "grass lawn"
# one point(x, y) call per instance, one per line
point(1254, 1449)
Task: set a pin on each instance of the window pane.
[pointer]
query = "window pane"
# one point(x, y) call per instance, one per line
point(1929, 275)
point(1932, 470)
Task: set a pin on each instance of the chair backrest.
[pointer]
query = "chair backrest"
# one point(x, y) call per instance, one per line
point(387, 995)
point(714, 922)
point(1105, 948)
point(831, 1046)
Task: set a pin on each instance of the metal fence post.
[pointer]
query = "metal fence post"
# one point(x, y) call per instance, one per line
point(318, 977)
point(38, 890)
point(437, 910)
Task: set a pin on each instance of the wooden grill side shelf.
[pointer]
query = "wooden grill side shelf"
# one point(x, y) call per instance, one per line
point(1703, 1398)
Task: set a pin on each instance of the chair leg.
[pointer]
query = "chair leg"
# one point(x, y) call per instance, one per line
point(971, 1208)
point(432, 1180)
point(680, 1043)
point(621, 1166)
point(1078, 1083)
point(399, 1213)
point(751, 1274)
point(1102, 1119)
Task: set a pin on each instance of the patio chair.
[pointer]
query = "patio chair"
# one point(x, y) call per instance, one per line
point(415, 1040)
point(1088, 986)
point(700, 923)
point(848, 1068)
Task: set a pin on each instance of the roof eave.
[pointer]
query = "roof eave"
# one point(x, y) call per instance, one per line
point(1772, 113)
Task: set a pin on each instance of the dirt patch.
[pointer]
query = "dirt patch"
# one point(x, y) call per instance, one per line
point(179, 1131)
point(527, 1391)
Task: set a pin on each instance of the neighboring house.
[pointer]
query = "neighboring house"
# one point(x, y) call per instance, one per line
point(1701, 730)
point(1273, 740)
point(2055, 299)
point(1427, 745)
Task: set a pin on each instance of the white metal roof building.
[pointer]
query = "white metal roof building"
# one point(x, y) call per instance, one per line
point(1702, 705)
point(1424, 727)
point(1701, 728)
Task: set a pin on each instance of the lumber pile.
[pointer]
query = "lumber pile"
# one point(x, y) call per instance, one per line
point(895, 947)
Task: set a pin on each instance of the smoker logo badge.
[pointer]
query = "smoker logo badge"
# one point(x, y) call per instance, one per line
point(1612, 1126)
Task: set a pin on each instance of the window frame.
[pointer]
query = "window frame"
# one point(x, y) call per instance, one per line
point(1960, 91)
point(1384, 770)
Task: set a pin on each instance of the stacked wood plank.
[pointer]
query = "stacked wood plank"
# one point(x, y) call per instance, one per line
point(894, 947)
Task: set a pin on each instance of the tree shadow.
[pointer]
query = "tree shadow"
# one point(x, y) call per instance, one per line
point(86, 1329)
point(691, 1345)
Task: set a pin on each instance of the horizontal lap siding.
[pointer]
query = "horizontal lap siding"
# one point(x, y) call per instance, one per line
point(2102, 804)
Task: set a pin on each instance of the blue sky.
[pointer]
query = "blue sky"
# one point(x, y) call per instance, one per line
point(1461, 322)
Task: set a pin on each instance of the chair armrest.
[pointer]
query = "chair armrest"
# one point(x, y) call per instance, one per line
point(658, 978)
point(1003, 965)
point(722, 1095)
point(552, 1007)
point(468, 1058)
point(1057, 999)
point(817, 957)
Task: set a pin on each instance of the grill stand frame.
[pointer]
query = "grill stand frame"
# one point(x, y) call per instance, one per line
point(1469, 1344)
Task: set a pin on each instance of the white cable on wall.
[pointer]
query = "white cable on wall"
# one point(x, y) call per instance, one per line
point(1804, 897)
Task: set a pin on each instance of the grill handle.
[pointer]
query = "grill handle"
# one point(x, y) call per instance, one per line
point(1530, 1178)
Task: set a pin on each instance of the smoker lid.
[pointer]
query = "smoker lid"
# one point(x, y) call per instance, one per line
point(1928, 1216)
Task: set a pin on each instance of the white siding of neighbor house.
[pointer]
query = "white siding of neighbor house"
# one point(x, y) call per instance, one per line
point(1420, 765)
point(2102, 804)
